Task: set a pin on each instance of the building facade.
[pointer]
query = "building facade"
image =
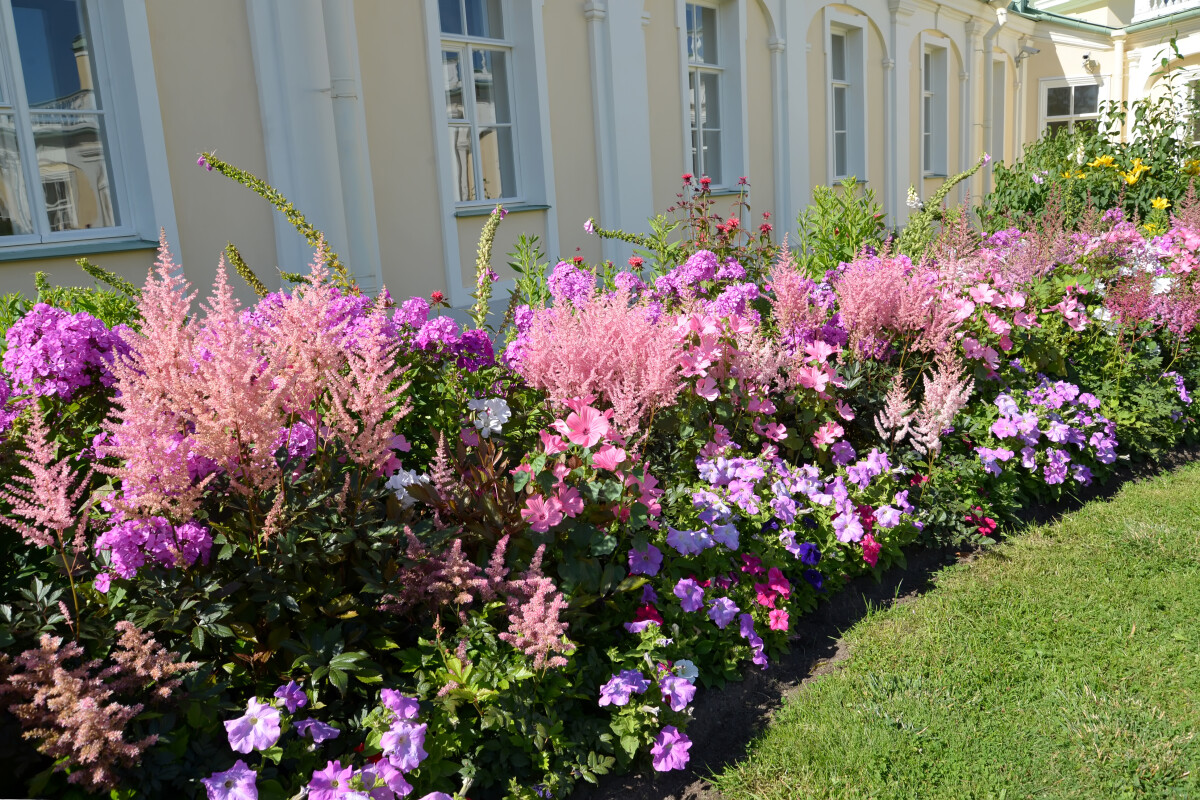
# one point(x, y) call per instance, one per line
point(396, 125)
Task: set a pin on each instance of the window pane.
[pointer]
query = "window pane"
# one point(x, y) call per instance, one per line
point(70, 152)
point(496, 158)
point(928, 72)
point(1058, 101)
point(707, 49)
point(927, 152)
point(450, 13)
point(840, 143)
point(55, 57)
point(14, 204)
point(484, 19)
point(1056, 127)
point(462, 163)
point(697, 167)
point(712, 155)
point(1087, 126)
point(1087, 99)
point(491, 87)
point(837, 56)
point(710, 100)
point(927, 114)
point(839, 108)
point(692, 97)
point(452, 68)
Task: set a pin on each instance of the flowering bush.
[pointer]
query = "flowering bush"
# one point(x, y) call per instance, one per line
point(349, 549)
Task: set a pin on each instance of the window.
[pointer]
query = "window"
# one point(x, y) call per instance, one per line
point(934, 116)
point(704, 91)
point(1070, 106)
point(476, 59)
point(846, 100)
point(55, 155)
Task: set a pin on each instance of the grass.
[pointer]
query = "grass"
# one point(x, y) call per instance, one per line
point(1064, 664)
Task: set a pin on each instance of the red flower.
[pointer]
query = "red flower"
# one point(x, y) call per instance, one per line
point(687, 177)
point(438, 298)
point(578, 259)
point(648, 613)
point(705, 181)
point(636, 262)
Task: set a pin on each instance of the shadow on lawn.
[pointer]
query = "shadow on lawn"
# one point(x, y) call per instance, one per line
point(726, 720)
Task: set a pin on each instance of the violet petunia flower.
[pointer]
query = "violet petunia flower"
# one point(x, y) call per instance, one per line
point(690, 594)
point(403, 707)
point(331, 783)
point(670, 750)
point(645, 562)
point(292, 695)
point(257, 729)
point(404, 745)
point(235, 783)
point(678, 692)
point(619, 688)
point(316, 730)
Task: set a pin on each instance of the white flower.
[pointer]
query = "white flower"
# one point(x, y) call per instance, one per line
point(914, 201)
point(400, 482)
point(493, 413)
point(1162, 285)
point(686, 670)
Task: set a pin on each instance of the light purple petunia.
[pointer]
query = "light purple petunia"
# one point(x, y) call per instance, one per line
point(403, 707)
point(677, 691)
point(670, 750)
point(619, 688)
point(404, 745)
point(331, 783)
point(690, 594)
point(645, 562)
point(292, 695)
point(316, 730)
point(235, 783)
point(257, 729)
point(722, 611)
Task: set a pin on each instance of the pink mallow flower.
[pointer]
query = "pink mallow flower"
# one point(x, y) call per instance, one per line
point(235, 783)
point(542, 514)
point(871, 550)
point(585, 428)
point(670, 750)
point(608, 457)
point(257, 729)
point(828, 433)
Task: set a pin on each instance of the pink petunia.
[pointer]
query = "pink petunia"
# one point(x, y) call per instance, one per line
point(779, 620)
point(871, 550)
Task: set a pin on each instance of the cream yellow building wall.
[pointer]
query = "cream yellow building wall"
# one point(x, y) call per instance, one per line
point(1061, 56)
point(573, 130)
point(761, 171)
point(664, 63)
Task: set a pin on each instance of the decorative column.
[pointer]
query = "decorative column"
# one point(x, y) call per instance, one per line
point(897, 111)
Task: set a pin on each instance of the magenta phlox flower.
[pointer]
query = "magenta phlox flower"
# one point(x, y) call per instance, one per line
point(722, 611)
point(645, 562)
point(52, 352)
point(690, 594)
point(404, 745)
point(316, 730)
point(235, 783)
point(331, 783)
point(677, 692)
point(622, 686)
point(257, 729)
point(570, 284)
point(586, 428)
point(292, 695)
point(670, 750)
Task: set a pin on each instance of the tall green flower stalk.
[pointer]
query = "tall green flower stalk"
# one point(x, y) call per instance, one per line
point(484, 275)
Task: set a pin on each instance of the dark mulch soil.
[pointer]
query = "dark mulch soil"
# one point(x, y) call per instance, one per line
point(727, 719)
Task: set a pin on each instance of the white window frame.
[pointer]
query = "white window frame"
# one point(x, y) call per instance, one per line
point(1045, 84)
point(934, 110)
point(731, 92)
point(853, 28)
point(138, 175)
point(466, 45)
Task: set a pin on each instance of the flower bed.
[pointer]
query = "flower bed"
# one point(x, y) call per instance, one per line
point(350, 548)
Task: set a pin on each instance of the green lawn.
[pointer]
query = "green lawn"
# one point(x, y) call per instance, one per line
point(1063, 664)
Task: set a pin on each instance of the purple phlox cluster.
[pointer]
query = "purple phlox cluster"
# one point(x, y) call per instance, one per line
point(523, 319)
point(292, 695)
point(131, 544)
point(257, 729)
point(684, 281)
point(413, 313)
point(645, 562)
point(690, 594)
point(9, 411)
point(300, 439)
point(52, 353)
point(621, 686)
point(735, 299)
point(689, 543)
point(235, 783)
point(629, 282)
point(316, 730)
point(670, 750)
point(731, 270)
point(439, 333)
point(677, 691)
point(570, 284)
point(722, 611)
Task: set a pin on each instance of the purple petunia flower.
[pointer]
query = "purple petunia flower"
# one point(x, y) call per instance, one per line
point(810, 554)
point(235, 783)
point(257, 729)
point(316, 730)
point(645, 562)
point(690, 594)
point(722, 611)
point(670, 750)
point(404, 745)
point(403, 707)
point(619, 688)
point(292, 695)
point(330, 783)
point(843, 453)
point(677, 692)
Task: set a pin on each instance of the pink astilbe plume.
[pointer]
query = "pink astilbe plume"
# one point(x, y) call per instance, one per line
point(534, 627)
point(794, 308)
point(46, 498)
point(607, 348)
point(882, 294)
point(945, 396)
point(67, 706)
point(894, 421)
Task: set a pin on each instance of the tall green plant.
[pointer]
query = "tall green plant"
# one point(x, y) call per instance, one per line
point(840, 222)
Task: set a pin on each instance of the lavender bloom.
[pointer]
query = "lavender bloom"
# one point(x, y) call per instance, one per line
point(317, 730)
point(52, 353)
point(412, 313)
point(843, 453)
point(670, 750)
point(438, 333)
point(403, 707)
point(887, 517)
point(257, 729)
point(726, 534)
point(722, 611)
point(404, 745)
point(628, 282)
point(689, 543)
point(475, 350)
point(331, 783)
point(1056, 468)
point(677, 692)
point(235, 783)
point(901, 499)
point(645, 562)
point(292, 695)
point(690, 594)
point(649, 596)
point(570, 284)
point(848, 527)
point(618, 690)
point(1003, 428)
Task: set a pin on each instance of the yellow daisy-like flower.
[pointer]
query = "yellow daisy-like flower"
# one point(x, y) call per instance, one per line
point(1102, 161)
point(1160, 203)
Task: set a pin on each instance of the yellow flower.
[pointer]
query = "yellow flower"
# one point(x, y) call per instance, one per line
point(1080, 175)
point(1132, 175)
point(1102, 161)
point(1192, 167)
point(1067, 174)
point(1160, 203)
point(1152, 229)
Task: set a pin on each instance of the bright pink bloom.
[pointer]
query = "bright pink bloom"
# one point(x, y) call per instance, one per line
point(844, 410)
point(608, 457)
point(585, 428)
point(552, 443)
point(828, 433)
point(570, 500)
point(542, 514)
point(871, 550)
point(778, 583)
point(779, 620)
